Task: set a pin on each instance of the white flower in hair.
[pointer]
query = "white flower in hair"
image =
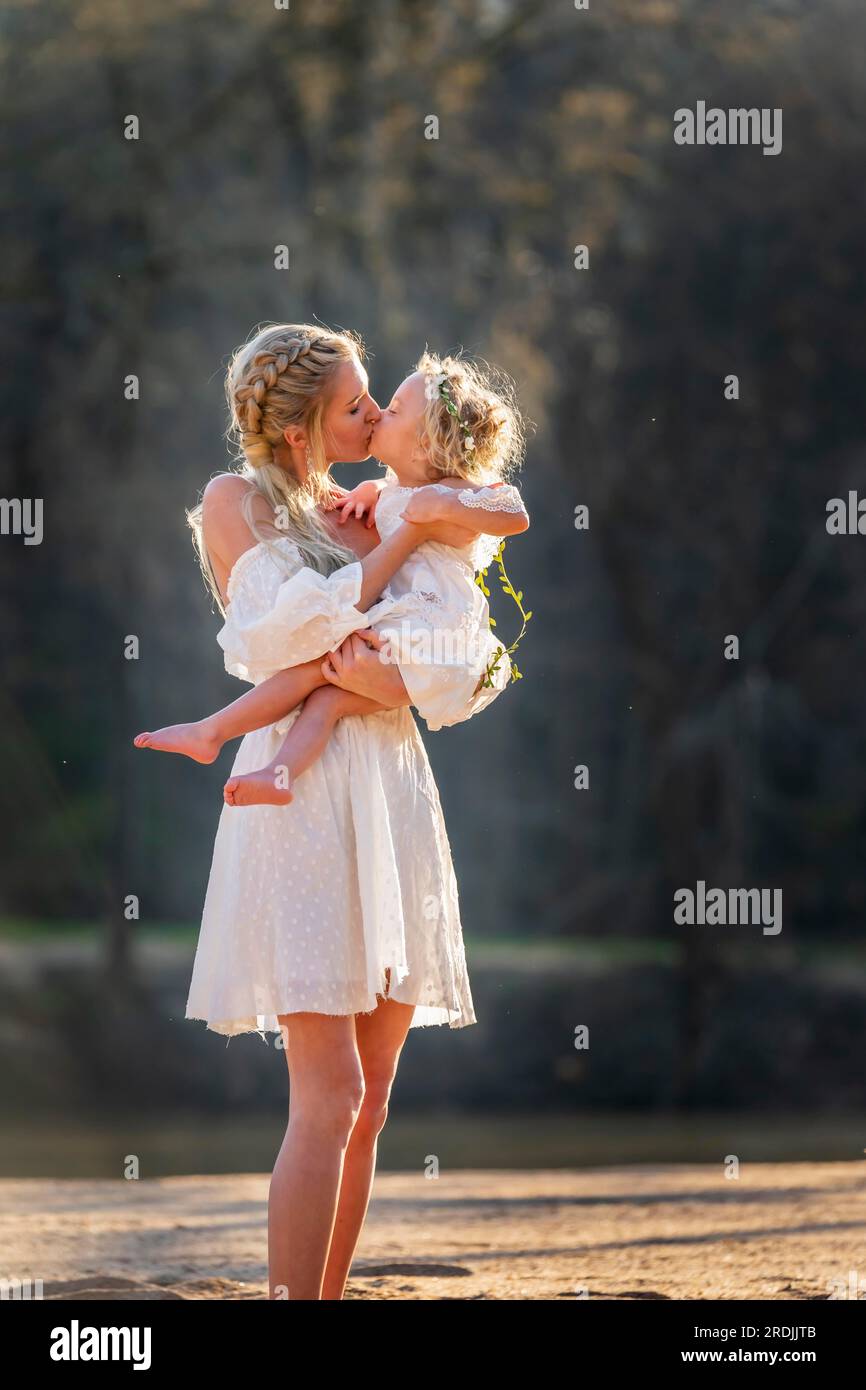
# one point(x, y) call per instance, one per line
point(469, 444)
point(431, 389)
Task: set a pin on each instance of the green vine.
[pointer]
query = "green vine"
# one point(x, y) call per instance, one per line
point(517, 595)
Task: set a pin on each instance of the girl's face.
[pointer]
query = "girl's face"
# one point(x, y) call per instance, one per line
point(395, 436)
point(350, 415)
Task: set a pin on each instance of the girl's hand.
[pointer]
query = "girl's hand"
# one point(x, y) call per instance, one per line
point(425, 504)
point(337, 496)
point(361, 499)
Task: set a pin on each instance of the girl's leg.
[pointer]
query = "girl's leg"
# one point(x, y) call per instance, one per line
point(303, 744)
point(380, 1035)
point(256, 709)
point(325, 1099)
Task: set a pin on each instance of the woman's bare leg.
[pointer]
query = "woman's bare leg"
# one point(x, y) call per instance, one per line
point(381, 1036)
point(303, 744)
point(263, 705)
point(325, 1098)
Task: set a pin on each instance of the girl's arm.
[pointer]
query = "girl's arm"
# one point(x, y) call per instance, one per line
point(494, 510)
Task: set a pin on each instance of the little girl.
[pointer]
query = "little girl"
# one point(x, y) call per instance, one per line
point(448, 440)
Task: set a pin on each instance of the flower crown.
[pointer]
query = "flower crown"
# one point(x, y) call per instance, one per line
point(437, 386)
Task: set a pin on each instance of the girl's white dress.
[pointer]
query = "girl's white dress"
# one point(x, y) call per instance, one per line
point(308, 904)
point(432, 611)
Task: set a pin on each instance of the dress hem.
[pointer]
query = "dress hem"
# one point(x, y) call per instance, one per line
point(238, 1027)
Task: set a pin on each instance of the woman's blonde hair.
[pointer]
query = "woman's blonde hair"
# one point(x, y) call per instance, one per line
point(486, 404)
point(282, 376)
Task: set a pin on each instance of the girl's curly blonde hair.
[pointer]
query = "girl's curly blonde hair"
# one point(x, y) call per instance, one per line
point(487, 412)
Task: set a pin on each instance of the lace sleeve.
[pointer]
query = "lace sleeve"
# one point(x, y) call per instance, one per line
point(504, 498)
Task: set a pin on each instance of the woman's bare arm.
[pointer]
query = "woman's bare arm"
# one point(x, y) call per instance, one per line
point(227, 536)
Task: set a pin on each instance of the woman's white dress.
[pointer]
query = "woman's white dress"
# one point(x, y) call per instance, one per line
point(308, 904)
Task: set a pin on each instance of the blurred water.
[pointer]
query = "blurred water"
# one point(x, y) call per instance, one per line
point(244, 1143)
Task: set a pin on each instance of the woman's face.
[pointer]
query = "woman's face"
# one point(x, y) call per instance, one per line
point(395, 436)
point(350, 415)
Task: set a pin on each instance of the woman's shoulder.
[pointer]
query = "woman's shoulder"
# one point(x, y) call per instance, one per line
point(224, 495)
point(227, 485)
point(225, 524)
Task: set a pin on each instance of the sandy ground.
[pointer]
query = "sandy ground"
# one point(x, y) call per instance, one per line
point(779, 1231)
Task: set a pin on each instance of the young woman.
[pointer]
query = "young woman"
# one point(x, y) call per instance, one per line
point(334, 922)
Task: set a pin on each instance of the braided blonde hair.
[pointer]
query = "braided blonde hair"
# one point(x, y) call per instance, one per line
point(280, 377)
point(486, 405)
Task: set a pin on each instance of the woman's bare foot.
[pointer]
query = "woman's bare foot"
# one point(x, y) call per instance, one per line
point(199, 741)
point(271, 786)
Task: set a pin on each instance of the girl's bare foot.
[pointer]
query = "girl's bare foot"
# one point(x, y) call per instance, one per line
point(271, 786)
point(198, 741)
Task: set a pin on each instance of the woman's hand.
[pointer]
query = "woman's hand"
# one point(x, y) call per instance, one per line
point(360, 664)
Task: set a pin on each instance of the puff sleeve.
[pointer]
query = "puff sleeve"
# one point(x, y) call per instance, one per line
point(274, 620)
point(445, 694)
